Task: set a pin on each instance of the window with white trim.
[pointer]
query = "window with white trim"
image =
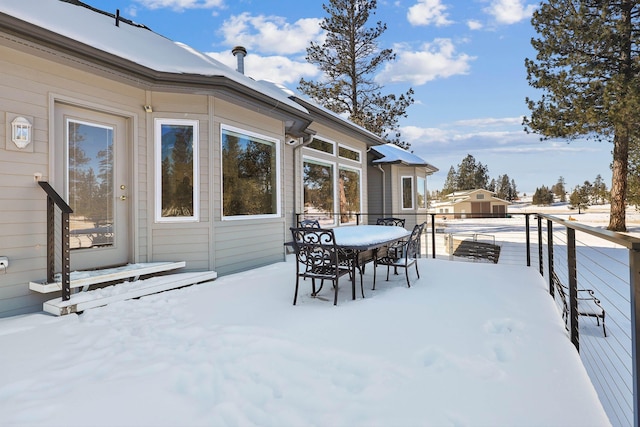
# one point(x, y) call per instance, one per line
point(407, 192)
point(250, 174)
point(348, 153)
point(176, 160)
point(319, 198)
point(422, 193)
point(349, 194)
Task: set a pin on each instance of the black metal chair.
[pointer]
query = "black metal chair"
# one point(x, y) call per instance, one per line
point(305, 223)
point(317, 257)
point(399, 222)
point(404, 256)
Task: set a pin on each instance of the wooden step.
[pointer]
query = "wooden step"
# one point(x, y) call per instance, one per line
point(123, 291)
point(93, 277)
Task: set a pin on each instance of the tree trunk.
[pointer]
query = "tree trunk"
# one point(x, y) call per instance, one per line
point(617, 220)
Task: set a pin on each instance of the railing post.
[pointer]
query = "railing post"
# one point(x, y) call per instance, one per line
point(550, 255)
point(634, 281)
point(541, 264)
point(66, 258)
point(433, 235)
point(573, 287)
point(51, 240)
point(528, 238)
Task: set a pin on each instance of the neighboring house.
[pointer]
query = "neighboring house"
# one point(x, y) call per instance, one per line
point(400, 178)
point(163, 153)
point(471, 204)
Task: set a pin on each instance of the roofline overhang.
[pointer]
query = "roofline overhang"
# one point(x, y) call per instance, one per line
point(67, 51)
point(344, 125)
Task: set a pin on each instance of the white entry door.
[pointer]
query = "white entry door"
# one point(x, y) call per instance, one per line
point(92, 175)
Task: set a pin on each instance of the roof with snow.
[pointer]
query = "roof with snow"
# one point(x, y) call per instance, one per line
point(391, 153)
point(123, 38)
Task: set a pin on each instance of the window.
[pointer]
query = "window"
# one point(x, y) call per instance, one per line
point(250, 174)
point(321, 145)
point(319, 199)
point(407, 192)
point(479, 196)
point(176, 144)
point(348, 153)
point(349, 194)
point(422, 193)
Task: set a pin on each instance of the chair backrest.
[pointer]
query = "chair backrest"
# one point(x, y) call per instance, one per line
point(413, 244)
point(315, 247)
point(399, 222)
point(309, 223)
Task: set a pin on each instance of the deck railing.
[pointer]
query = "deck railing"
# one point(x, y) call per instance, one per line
point(54, 200)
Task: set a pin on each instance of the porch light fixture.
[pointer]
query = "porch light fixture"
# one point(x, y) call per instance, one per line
point(148, 108)
point(21, 132)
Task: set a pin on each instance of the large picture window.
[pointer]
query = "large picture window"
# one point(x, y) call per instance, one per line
point(250, 174)
point(176, 144)
point(318, 178)
point(407, 192)
point(349, 194)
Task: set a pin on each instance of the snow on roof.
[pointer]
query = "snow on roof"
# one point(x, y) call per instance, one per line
point(129, 41)
point(391, 153)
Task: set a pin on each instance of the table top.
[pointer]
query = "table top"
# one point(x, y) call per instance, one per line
point(364, 237)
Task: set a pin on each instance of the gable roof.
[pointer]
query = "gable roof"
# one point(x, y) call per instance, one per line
point(392, 154)
point(73, 27)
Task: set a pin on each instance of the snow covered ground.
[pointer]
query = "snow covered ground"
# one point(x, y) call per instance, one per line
point(467, 345)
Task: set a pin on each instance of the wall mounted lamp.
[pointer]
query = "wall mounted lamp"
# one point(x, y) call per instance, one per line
point(21, 132)
point(148, 108)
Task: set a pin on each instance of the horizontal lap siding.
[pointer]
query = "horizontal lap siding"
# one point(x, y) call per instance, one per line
point(240, 245)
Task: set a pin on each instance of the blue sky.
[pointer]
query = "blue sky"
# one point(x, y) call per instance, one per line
point(463, 58)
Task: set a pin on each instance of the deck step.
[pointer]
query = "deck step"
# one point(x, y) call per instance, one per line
point(123, 291)
point(93, 277)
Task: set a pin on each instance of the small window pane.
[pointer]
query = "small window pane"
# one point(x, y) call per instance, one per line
point(422, 193)
point(318, 191)
point(407, 192)
point(320, 145)
point(347, 153)
point(249, 175)
point(349, 187)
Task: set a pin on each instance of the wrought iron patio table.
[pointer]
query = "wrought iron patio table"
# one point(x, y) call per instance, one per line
point(356, 240)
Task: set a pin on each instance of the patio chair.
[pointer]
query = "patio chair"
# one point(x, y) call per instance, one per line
point(399, 222)
point(588, 304)
point(404, 256)
point(313, 223)
point(317, 257)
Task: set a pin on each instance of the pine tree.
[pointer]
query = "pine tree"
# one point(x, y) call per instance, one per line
point(588, 65)
point(349, 59)
point(451, 182)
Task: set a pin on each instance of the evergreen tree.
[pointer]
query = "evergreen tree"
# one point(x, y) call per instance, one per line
point(542, 196)
point(579, 199)
point(559, 190)
point(513, 192)
point(451, 183)
point(471, 175)
point(349, 59)
point(588, 65)
point(599, 190)
point(633, 196)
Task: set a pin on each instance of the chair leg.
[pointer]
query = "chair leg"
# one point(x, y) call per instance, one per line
point(406, 272)
point(335, 297)
point(375, 267)
point(361, 285)
point(417, 272)
point(388, 268)
point(295, 295)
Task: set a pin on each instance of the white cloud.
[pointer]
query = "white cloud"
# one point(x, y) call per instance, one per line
point(278, 69)
point(510, 11)
point(474, 24)
point(427, 12)
point(181, 4)
point(271, 34)
point(437, 59)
